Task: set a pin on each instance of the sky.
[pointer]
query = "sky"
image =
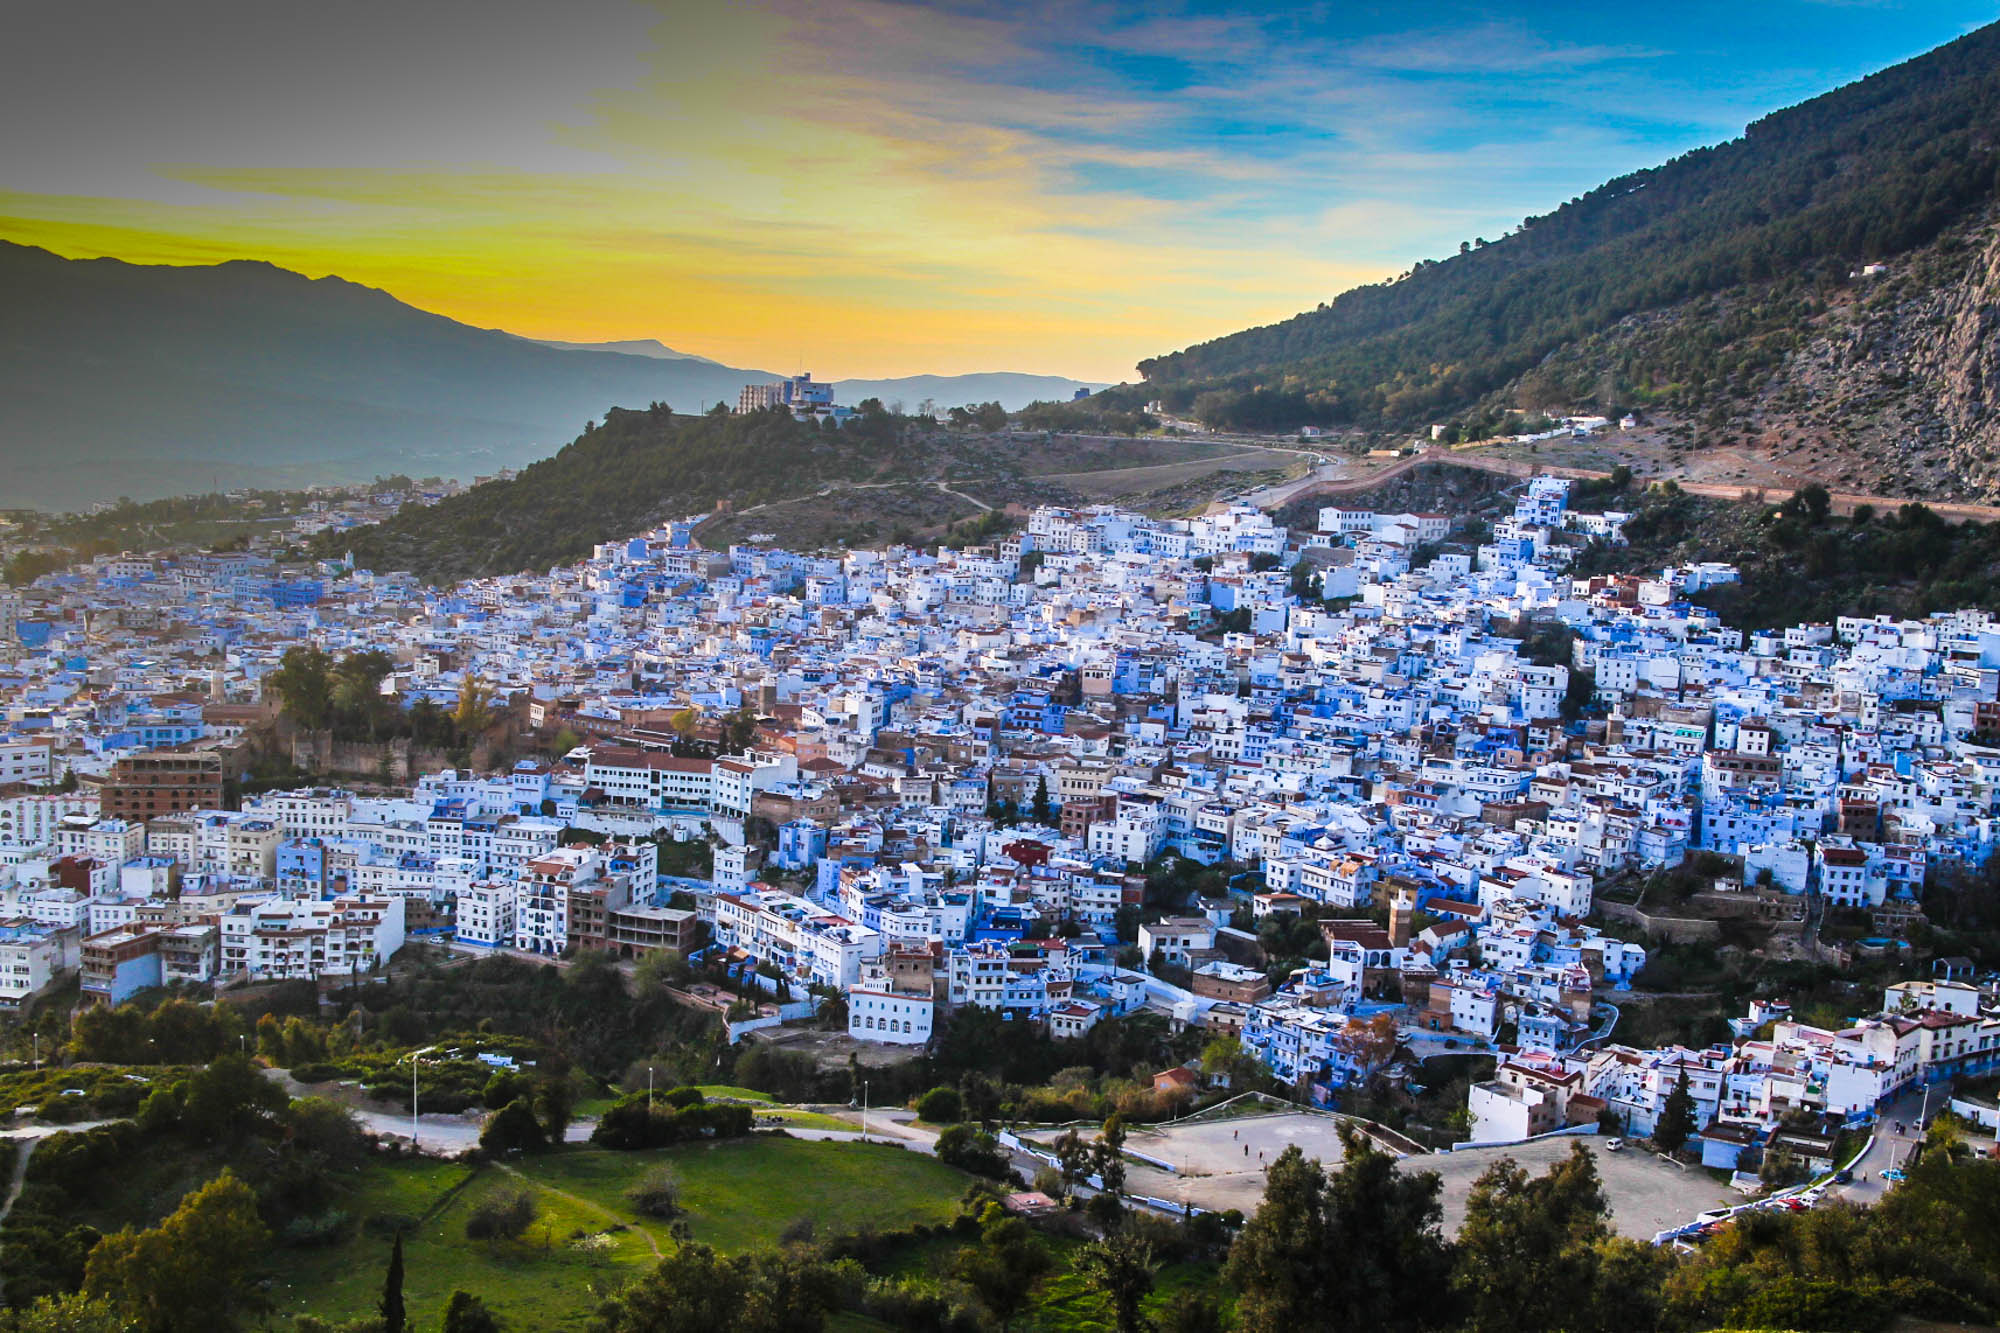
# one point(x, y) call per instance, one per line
point(874, 188)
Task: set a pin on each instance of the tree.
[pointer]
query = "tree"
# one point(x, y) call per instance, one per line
point(71, 1313)
point(1189, 1311)
point(1366, 1242)
point(191, 1272)
point(941, 1106)
point(1121, 1267)
point(1369, 1043)
point(1108, 1157)
point(229, 1097)
point(1004, 1267)
point(466, 1313)
point(1529, 1247)
point(1277, 1262)
point(358, 704)
point(303, 684)
point(512, 1128)
point(1676, 1123)
point(972, 1150)
point(1225, 1057)
point(695, 1290)
point(392, 1290)
point(1389, 1265)
point(1073, 1157)
point(1040, 810)
point(504, 1086)
point(327, 1129)
point(554, 1106)
point(1814, 502)
point(474, 712)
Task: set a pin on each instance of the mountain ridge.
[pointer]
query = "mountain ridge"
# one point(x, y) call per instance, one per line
point(1733, 257)
point(144, 380)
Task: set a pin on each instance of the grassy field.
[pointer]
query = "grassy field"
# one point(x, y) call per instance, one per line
point(723, 1092)
point(742, 1193)
point(739, 1195)
point(540, 1281)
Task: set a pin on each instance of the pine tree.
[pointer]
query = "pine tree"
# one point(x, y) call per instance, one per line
point(392, 1290)
point(1041, 807)
point(1676, 1123)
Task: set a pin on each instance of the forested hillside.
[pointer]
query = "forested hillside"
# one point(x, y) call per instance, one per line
point(1790, 211)
point(636, 468)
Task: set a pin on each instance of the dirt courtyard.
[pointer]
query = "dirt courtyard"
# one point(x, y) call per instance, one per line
point(1646, 1195)
point(1220, 1163)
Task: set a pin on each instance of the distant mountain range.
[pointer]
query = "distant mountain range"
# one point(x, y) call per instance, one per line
point(652, 347)
point(149, 380)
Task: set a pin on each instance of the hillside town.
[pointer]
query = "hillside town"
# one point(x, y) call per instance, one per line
point(907, 781)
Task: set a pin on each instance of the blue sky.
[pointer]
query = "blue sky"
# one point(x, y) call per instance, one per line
point(872, 187)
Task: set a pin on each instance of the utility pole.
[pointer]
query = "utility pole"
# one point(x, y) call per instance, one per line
point(864, 1110)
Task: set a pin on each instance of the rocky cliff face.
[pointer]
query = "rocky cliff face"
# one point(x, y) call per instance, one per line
point(1899, 389)
point(1889, 385)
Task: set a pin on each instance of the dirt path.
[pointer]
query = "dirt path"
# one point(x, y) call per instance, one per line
point(971, 500)
point(14, 1192)
point(586, 1205)
point(1216, 461)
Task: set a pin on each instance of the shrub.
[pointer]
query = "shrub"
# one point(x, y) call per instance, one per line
point(501, 1215)
point(327, 1228)
point(972, 1150)
point(505, 1086)
point(512, 1128)
point(388, 1224)
point(316, 1072)
point(629, 1124)
point(941, 1106)
point(657, 1193)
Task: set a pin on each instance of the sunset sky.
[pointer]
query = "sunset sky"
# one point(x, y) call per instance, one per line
point(870, 188)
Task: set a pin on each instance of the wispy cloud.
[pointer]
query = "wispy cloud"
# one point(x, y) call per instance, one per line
point(892, 185)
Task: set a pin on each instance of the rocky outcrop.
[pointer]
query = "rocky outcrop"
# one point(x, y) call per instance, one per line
point(1898, 387)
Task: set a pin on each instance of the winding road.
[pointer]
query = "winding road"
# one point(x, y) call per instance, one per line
point(1324, 482)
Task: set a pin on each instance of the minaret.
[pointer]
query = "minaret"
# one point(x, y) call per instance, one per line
point(1402, 908)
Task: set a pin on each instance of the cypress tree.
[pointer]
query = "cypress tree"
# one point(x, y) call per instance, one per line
point(392, 1291)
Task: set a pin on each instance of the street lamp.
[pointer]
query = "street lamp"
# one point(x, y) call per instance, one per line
point(864, 1110)
point(413, 1091)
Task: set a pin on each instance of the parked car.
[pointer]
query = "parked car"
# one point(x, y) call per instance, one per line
point(1614, 1145)
point(1844, 1176)
point(1894, 1174)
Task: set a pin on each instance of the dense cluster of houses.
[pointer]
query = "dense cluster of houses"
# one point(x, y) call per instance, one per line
point(937, 778)
point(1778, 1074)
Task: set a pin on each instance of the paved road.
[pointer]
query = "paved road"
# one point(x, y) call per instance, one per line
point(1891, 1148)
point(446, 1133)
point(1843, 502)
